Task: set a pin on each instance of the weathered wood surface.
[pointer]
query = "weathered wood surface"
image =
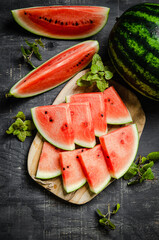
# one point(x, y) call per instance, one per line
point(82, 195)
point(28, 211)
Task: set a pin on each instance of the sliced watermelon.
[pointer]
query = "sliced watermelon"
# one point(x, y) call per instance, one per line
point(117, 112)
point(72, 174)
point(49, 162)
point(120, 148)
point(56, 70)
point(54, 124)
point(97, 108)
point(95, 168)
point(82, 124)
point(62, 22)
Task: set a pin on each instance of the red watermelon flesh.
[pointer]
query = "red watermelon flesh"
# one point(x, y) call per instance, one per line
point(54, 124)
point(72, 174)
point(97, 108)
point(82, 124)
point(120, 148)
point(49, 162)
point(95, 168)
point(56, 70)
point(117, 112)
point(63, 22)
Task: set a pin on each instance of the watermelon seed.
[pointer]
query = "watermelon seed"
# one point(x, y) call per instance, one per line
point(77, 156)
point(55, 21)
point(91, 21)
point(50, 119)
point(66, 125)
point(112, 103)
point(98, 155)
point(107, 156)
point(77, 23)
point(122, 141)
point(82, 150)
point(50, 20)
point(108, 99)
point(61, 23)
point(66, 23)
point(45, 112)
point(102, 115)
point(63, 168)
point(67, 166)
point(25, 13)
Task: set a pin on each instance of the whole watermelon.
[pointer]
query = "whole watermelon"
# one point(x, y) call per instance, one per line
point(134, 48)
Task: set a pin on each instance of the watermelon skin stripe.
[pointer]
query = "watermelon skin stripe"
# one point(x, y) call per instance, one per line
point(144, 16)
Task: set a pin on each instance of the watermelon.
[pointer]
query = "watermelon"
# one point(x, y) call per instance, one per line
point(54, 124)
point(82, 124)
point(117, 112)
point(95, 168)
point(134, 50)
point(72, 174)
point(62, 22)
point(49, 162)
point(56, 70)
point(98, 113)
point(120, 147)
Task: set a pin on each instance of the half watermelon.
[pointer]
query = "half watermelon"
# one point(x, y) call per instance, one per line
point(49, 162)
point(97, 108)
point(54, 124)
point(56, 70)
point(62, 22)
point(82, 124)
point(117, 112)
point(120, 148)
point(72, 174)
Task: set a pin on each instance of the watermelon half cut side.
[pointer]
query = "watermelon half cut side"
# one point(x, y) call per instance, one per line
point(95, 168)
point(97, 108)
point(56, 70)
point(82, 124)
point(72, 174)
point(54, 124)
point(49, 162)
point(117, 112)
point(62, 22)
point(120, 148)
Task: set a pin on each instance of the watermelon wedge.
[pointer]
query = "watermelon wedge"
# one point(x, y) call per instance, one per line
point(120, 148)
point(117, 112)
point(82, 124)
point(54, 124)
point(56, 70)
point(95, 168)
point(72, 174)
point(49, 162)
point(97, 108)
point(62, 22)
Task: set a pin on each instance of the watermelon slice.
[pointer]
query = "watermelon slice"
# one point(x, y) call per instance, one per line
point(95, 168)
point(97, 108)
point(120, 148)
point(49, 162)
point(82, 124)
point(72, 174)
point(62, 22)
point(56, 70)
point(117, 112)
point(54, 124)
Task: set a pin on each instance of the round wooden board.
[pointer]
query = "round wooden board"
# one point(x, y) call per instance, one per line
point(54, 185)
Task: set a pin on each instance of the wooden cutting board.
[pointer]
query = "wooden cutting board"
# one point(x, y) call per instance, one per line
point(54, 185)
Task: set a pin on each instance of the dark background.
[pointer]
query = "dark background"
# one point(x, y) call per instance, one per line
point(27, 211)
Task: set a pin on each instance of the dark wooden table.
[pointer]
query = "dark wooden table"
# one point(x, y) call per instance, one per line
point(27, 211)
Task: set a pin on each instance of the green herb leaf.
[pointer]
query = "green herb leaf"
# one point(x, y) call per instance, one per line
point(99, 212)
point(20, 115)
point(108, 75)
point(102, 85)
point(154, 156)
point(116, 208)
point(22, 136)
point(29, 124)
point(132, 171)
point(148, 175)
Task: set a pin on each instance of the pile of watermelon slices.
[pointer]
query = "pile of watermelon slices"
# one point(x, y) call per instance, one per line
point(72, 147)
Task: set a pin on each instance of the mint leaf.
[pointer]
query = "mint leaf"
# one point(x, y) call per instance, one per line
point(116, 208)
point(94, 69)
point(148, 175)
point(99, 212)
point(22, 136)
point(100, 66)
point(29, 125)
point(102, 85)
point(20, 115)
point(108, 75)
point(132, 171)
point(96, 58)
point(154, 156)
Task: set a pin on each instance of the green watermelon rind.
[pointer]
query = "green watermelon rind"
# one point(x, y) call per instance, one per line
point(101, 187)
point(24, 26)
point(61, 146)
point(14, 93)
point(119, 121)
point(119, 175)
point(74, 187)
point(85, 144)
point(47, 175)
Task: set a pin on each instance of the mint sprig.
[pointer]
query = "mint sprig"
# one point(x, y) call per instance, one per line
point(33, 49)
point(21, 127)
point(141, 170)
point(98, 74)
point(105, 218)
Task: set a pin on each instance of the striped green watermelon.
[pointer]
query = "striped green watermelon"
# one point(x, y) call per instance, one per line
point(134, 48)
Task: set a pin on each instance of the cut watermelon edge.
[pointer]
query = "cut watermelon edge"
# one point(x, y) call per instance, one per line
point(61, 146)
point(101, 187)
point(74, 187)
point(47, 175)
point(85, 144)
point(121, 121)
point(32, 30)
point(13, 91)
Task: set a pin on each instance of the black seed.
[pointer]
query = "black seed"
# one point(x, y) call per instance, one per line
point(39, 17)
point(55, 21)
point(67, 166)
point(25, 13)
point(102, 115)
point(50, 20)
point(98, 155)
point(82, 150)
point(77, 65)
point(107, 156)
point(51, 120)
point(112, 103)
point(61, 23)
point(24, 81)
point(45, 19)
point(63, 168)
point(108, 99)
point(91, 21)
point(66, 23)
point(77, 156)
point(77, 24)
point(73, 24)
point(45, 112)
point(66, 125)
